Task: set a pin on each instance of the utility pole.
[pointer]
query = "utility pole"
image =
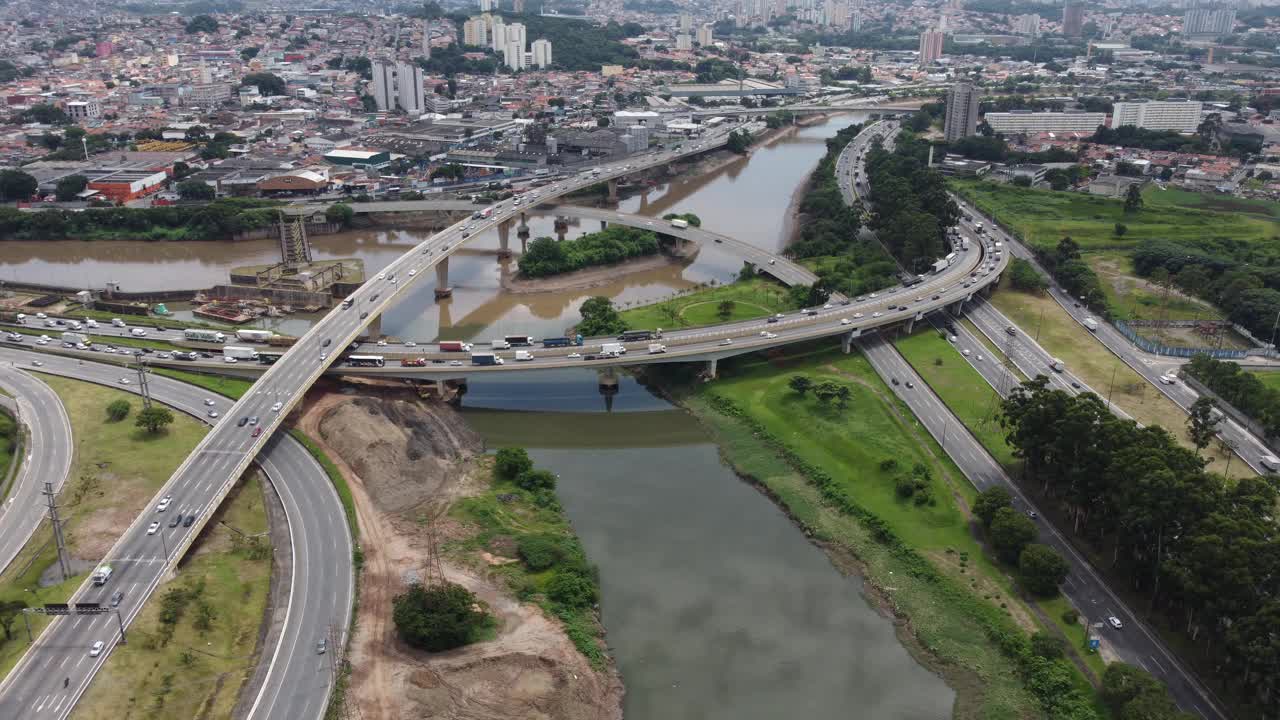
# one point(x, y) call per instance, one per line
point(1113, 384)
point(1039, 324)
point(52, 499)
point(143, 388)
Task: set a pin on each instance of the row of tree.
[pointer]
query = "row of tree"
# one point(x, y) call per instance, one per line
point(1203, 552)
point(912, 209)
point(548, 256)
point(219, 220)
point(1242, 389)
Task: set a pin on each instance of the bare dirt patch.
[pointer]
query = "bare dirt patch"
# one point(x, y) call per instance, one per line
point(588, 277)
point(406, 459)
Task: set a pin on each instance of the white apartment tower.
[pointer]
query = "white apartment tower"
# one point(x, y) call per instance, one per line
point(684, 42)
point(1178, 115)
point(514, 55)
point(516, 33)
point(705, 34)
point(541, 53)
point(686, 22)
point(409, 93)
point(499, 35)
point(384, 84)
point(475, 32)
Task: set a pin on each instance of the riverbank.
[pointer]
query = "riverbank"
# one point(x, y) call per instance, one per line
point(956, 611)
point(410, 464)
point(588, 278)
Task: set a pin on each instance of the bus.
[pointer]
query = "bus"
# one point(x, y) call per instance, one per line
point(637, 335)
point(518, 340)
point(269, 358)
point(366, 361)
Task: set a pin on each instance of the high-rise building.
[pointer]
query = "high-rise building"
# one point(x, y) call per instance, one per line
point(1026, 122)
point(1208, 21)
point(409, 93)
point(499, 37)
point(1072, 19)
point(517, 7)
point(475, 32)
point(855, 20)
point(426, 39)
point(1027, 25)
point(684, 42)
point(516, 34)
point(384, 85)
point(686, 22)
point(514, 55)
point(962, 112)
point(488, 5)
point(704, 34)
point(541, 49)
point(1177, 115)
point(930, 46)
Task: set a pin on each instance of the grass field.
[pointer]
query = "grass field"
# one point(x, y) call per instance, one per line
point(752, 298)
point(233, 388)
point(8, 444)
point(1088, 359)
point(116, 470)
point(851, 445)
point(1131, 297)
point(1270, 379)
point(195, 667)
point(1043, 217)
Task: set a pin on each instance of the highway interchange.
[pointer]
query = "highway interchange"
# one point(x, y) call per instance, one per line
point(227, 450)
point(46, 457)
point(322, 584)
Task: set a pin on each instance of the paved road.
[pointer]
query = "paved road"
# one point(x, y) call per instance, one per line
point(297, 683)
point(1151, 367)
point(46, 458)
point(1089, 593)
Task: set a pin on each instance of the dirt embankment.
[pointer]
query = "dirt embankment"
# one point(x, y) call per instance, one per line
point(588, 277)
point(407, 460)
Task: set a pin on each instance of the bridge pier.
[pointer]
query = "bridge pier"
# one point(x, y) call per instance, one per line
point(846, 340)
point(373, 329)
point(613, 191)
point(956, 308)
point(607, 384)
point(911, 325)
point(504, 232)
point(711, 368)
point(443, 289)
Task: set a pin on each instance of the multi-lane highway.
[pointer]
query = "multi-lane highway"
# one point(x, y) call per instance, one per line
point(1151, 367)
point(322, 586)
point(46, 458)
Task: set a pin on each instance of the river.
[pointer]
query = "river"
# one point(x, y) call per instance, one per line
point(716, 604)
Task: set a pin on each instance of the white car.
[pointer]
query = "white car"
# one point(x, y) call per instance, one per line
point(96, 649)
point(876, 314)
point(152, 528)
point(382, 343)
point(1115, 622)
point(37, 363)
point(208, 401)
point(1168, 379)
point(213, 413)
point(455, 363)
point(828, 306)
point(382, 276)
point(727, 341)
point(410, 343)
point(412, 273)
point(229, 360)
point(845, 321)
point(574, 356)
point(42, 341)
point(277, 406)
point(857, 316)
point(966, 352)
point(124, 381)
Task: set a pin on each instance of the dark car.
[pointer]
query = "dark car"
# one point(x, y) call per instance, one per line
point(772, 320)
point(895, 380)
point(910, 384)
point(327, 342)
point(364, 315)
point(177, 519)
point(188, 520)
point(206, 355)
point(116, 597)
point(243, 421)
point(935, 297)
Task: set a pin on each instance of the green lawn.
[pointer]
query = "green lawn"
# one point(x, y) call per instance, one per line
point(752, 298)
point(1043, 217)
point(1131, 297)
point(961, 388)
point(851, 446)
point(1270, 379)
point(232, 387)
point(8, 444)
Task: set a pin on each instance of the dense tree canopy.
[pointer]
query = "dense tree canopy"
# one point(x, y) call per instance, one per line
point(17, 185)
point(600, 317)
point(912, 209)
point(437, 618)
point(548, 256)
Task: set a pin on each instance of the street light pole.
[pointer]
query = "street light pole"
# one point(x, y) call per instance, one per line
point(164, 544)
point(1039, 324)
point(1113, 383)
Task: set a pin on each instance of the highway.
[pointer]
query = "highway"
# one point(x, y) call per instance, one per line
point(322, 583)
point(207, 475)
point(1151, 367)
point(46, 457)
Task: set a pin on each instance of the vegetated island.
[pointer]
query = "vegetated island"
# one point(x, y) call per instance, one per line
point(550, 265)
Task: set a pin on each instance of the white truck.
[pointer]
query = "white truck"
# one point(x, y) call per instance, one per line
point(75, 338)
point(500, 345)
point(239, 353)
point(1270, 462)
point(1057, 365)
point(655, 348)
point(678, 223)
point(613, 349)
point(202, 335)
point(255, 336)
point(117, 322)
point(102, 575)
point(1091, 324)
point(523, 356)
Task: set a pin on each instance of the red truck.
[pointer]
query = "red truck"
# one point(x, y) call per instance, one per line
point(413, 362)
point(455, 346)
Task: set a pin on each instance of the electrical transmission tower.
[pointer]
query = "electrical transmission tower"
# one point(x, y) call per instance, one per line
point(143, 388)
point(434, 574)
point(52, 498)
point(295, 248)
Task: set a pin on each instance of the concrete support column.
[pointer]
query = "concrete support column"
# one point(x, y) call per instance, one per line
point(524, 244)
point(442, 279)
point(613, 191)
point(846, 340)
point(504, 231)
point(504, 245)
point(604, 224)
point(956, 308)
point(711, 368)
point(911, 325)
point(373, 329)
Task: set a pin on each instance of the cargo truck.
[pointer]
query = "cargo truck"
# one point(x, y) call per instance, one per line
point(939, 266)
point(1057, 365)
point(102, 575)
point(256, 336)
point(518, 340)
point(500, 345)
point(678, 223)
point(523, 356)
point(200, 335)
point(613, 349)
point(1091, 324)
point(413, 362)
point(75, 338)
point(485, 359)
point(239, 353)
point(455, 346)
point(561, 341)
point(655, 348)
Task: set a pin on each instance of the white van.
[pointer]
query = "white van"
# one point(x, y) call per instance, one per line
point(523, 356)
point(117, 322)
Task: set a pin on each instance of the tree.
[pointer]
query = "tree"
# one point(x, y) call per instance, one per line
point(724, 310)
point(196, 190)
point(339, 213)
point(70, 186)
point(600, 317)
point(989, 501)
point(267, 83)
point(1010, 533)
point(154, 419)
point(572, 590)
point(1122, 683)
point(249, 53)
point(1042, 569)
point(438, 618)
point(1121, 229)
point(202, 24)
point(1024, 276)
point(118, 410)
point(510, 463)
point(843, 395)
point(181, 170)
point(1047, 646)
point(1202, 422)
point(800, 384)
point(535, 480)
point(17, 185)
point(9, 612)
point(1133, 199)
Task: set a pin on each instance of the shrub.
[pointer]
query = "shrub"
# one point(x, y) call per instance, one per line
point(536, 480)
point(540, 552)
point(437, 618)
point(118, 410)
point(572, 590)
point(510, 463)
